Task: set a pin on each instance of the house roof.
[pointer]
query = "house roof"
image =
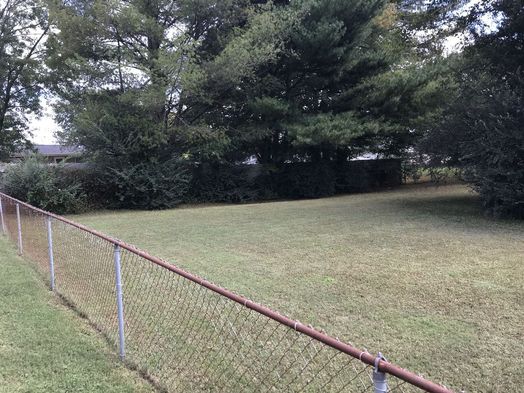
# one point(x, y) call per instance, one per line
point(54, 150)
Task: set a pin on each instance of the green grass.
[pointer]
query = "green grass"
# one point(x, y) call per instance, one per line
point(418, 273)
point(45, 347)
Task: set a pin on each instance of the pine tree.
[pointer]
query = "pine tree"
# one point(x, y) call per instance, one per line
point(342, 81)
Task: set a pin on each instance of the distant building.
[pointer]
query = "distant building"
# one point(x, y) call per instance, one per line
point(54, 154)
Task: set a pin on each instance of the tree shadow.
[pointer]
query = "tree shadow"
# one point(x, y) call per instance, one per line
point(463, 206)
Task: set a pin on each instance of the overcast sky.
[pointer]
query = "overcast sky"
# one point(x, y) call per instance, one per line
point(43, 128)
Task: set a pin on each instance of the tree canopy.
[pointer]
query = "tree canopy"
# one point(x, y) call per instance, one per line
point(282, 81)
point(482, 124)
point(23, 26)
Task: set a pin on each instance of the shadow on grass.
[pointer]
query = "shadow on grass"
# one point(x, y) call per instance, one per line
point(445, 206)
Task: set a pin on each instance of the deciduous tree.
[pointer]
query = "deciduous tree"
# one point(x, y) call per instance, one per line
point(23, 28)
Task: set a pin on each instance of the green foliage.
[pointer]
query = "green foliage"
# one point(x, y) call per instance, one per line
point(113, 125)
point(284, 81)
point(345, 82)
point(304, 98)
point(307, 81)
point(147, 185)
point(481, 127)
point(230, 183)
point(485, 123)
point(246, 183)
point(305, 180)
point(366, 175)
point(23, 27)
point(44, 186)
point(415, 171)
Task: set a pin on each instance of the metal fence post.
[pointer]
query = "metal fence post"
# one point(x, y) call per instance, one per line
point(2, 215)
point(380, 382)
point(119, 303)
point(51, 255)
point(20, 246)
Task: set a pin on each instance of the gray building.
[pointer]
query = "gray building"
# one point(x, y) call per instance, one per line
point(54, 154)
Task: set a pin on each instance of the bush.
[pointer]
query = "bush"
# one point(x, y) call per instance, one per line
point(230, 183)
point(148, 185)
point(44, 186)
point(246, 183)
point(154, 185)
point(481, 132)
point(305, 180)
point(367, 175)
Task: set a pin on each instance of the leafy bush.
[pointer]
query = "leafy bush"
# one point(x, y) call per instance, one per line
point(495, 159)
point(305, 180)
point(148, 185)
point(482, 133)
point(160, 185)
point(44, 186)
point(366, 175)
point(245, 183)
point(230, 183)
point(423, 169)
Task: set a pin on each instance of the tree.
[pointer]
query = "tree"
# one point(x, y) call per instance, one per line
point(326, 91)
point(481, 129)
point(208, 80)
point(122, 69)
point(23, 27)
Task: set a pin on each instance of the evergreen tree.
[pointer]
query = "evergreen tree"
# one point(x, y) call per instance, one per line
point(342, 82)
point(481, 129)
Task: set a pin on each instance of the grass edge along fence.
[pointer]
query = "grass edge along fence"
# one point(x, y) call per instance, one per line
point(240, 345)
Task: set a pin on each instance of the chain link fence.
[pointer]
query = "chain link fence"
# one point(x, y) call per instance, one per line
point(182, 332)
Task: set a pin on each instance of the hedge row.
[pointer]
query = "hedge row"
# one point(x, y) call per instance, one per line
point(69, 189)
point(245, 183)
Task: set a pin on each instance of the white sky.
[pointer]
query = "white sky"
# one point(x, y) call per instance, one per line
point(44, 127)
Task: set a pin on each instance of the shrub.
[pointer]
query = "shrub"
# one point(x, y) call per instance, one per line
point(305, 180)
point(367, 175)
point(245, 183)
point(148, 185)
point(47, 187)
point(481, 132)
point(230, 183)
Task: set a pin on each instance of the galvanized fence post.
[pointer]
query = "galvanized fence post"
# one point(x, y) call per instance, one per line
point(19, 222)
point(2, 215)
point(119, 303)
point(380, 382)
point(51, 255)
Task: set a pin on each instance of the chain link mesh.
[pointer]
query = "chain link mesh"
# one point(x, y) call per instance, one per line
point(182, 335)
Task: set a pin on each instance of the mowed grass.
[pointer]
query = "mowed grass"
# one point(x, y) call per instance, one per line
point(45, 347)
point(416, 273)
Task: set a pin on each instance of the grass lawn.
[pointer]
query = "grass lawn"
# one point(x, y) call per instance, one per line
point(416, 273)
point(45, 347)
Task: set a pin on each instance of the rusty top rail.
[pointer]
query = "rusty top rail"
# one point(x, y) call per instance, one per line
point(365, 357)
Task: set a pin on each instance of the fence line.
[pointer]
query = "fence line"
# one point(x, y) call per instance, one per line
point(184, 332)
